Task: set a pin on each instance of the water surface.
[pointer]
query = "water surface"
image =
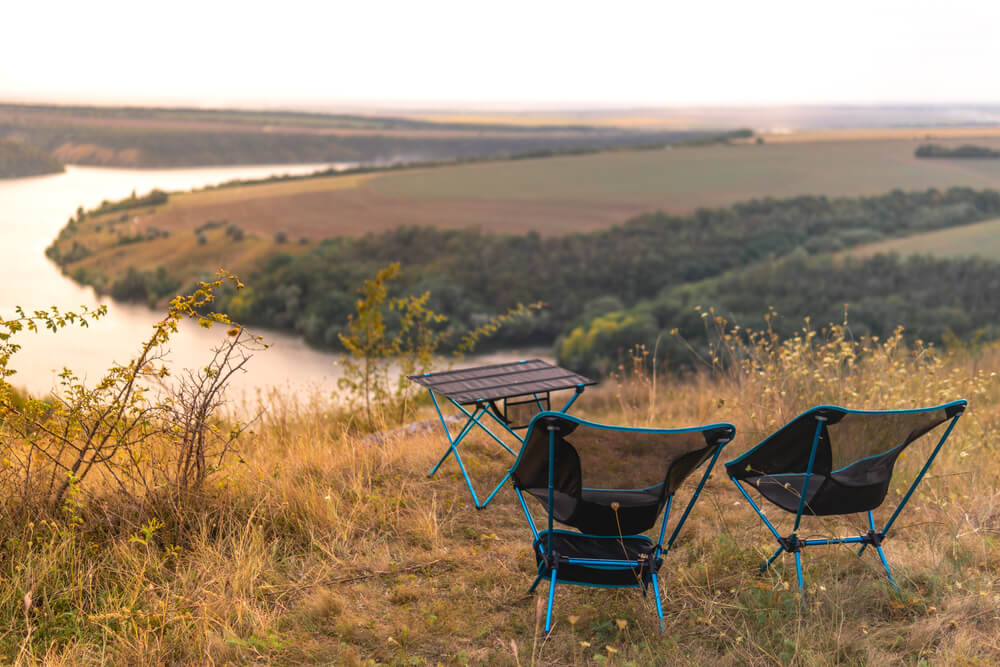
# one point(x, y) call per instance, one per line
point(33, 210)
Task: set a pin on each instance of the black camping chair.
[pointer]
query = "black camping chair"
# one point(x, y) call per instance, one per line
point(610, 483)
point(834, 461)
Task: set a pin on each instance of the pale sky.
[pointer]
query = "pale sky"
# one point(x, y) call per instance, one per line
point(508, 54)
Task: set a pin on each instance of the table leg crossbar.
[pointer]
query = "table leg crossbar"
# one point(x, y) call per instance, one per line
point(473, 419)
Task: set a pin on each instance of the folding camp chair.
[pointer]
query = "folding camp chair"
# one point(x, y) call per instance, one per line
point(834, 461)
point(610, 483)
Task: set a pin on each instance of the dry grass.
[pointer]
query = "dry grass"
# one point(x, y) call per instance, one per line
point(325, 547)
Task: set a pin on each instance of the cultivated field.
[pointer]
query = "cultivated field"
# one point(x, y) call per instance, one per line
point(576, 194)
point(980, 239)
point(550, 196)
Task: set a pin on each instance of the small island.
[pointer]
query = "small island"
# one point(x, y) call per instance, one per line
point(967, 151)
point(18, 160)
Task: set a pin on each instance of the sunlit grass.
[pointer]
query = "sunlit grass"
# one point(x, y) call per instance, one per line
point(325, 546)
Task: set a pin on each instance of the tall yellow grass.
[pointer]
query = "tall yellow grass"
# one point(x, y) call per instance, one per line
point(325, 546)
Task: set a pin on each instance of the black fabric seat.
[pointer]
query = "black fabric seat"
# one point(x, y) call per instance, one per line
point(568, 545)
point(826, 495)
point(611, 484)
point(836, 461)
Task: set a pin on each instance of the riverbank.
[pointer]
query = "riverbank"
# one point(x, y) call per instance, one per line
point(20, 161)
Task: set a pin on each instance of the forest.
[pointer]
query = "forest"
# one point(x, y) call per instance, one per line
point(605, 290)
point(18, 160)
point(950, 301)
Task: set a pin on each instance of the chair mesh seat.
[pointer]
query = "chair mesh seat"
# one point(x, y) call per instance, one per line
point(568, 545)
point(591, 465)
point(825, 495)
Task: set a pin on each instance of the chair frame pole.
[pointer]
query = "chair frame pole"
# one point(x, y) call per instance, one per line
point(920, 476)
point(663, 524)
point(820, 420)
point(792, 544)
point(656, 596)
point(694, 496)
point(549, 556)
point(551, 506)
point(552, 595)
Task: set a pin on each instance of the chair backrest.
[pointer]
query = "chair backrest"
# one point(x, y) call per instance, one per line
point(855, 451)
point(608, 480)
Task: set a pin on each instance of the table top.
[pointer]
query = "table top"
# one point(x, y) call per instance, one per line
point(488, 383)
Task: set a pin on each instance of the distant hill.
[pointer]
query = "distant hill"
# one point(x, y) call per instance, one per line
point(150, 137)
point(18, 160)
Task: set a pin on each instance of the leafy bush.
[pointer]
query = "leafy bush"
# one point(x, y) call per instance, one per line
point(143, 443)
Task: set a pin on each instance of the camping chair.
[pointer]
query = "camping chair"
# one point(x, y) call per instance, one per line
point(610, 483)
point(834, 461)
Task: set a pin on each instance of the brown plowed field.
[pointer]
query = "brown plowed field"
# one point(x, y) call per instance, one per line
point(362, 209)
point(574, 194)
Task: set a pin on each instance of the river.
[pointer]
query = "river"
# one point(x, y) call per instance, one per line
point(33, 210)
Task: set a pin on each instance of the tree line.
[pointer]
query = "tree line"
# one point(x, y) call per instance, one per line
point(584, 278)
point(18, 160)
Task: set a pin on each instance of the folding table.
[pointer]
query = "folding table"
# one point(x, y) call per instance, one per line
point(521, 388)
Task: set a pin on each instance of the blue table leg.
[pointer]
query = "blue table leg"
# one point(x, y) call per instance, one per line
point(474, 418)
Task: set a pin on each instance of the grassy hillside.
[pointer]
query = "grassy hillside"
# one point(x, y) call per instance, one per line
point(18, 160)
point(979, 239)
point(550, 196)
point(322, 546)
point(573, 194)
point(309, 287)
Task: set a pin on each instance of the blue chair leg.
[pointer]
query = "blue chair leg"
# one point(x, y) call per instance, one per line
point(656, 596)
point(552, 594)
point(798, 570)
point(885, 564)
point(871, 526)
point(534, 584)
point(763, 568)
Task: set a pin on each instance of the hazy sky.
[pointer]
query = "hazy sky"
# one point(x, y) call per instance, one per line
point(537, 53)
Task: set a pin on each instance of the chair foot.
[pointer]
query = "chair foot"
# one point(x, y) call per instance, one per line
point(656, 596)
point(552, 594)
point(885, 564)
